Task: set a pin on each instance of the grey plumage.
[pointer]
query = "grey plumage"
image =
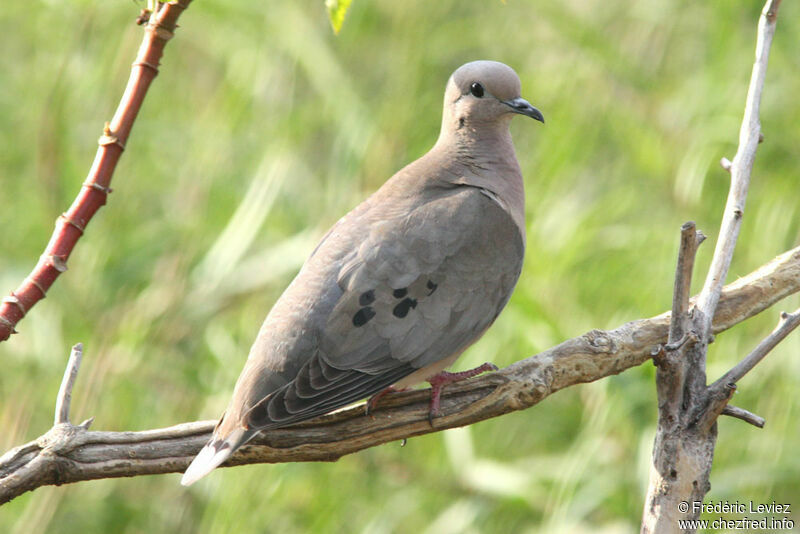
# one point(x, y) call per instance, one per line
point(402, 284)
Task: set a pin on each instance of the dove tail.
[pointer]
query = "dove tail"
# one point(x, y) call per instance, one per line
point(216, 451)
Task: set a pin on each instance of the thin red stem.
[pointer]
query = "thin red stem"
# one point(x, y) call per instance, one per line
point(71, 225)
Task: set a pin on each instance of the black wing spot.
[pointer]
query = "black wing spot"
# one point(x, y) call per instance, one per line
point(363, 315)
point(367, 298)
point(432, 287)
point(400, 293)
point(402, 309)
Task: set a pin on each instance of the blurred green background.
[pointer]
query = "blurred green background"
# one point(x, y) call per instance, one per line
point(263, 128)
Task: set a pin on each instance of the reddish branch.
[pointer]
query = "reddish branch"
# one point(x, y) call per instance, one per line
point(71, 225)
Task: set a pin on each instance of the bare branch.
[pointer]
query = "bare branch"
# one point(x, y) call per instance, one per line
point(683, 450)
point(740, 170)
point(70, 454)
point(755, 287)
point(64, 397)
point(744, 415)
point(671, 366)
point(690, 240)
point(94, 192)
point(787, 323)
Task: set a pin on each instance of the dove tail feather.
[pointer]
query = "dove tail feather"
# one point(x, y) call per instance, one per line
point(216, 451)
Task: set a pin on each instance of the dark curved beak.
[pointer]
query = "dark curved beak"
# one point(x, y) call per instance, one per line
point(523, 107)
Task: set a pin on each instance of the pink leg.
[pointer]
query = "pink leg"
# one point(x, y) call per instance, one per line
point(372, 403)
point(438, 381)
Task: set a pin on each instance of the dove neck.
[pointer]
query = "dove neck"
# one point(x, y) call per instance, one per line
point(485, 142)
point(485, 151)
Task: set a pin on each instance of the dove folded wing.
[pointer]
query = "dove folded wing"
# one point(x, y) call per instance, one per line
point(416, 290)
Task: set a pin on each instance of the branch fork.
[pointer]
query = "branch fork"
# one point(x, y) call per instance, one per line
point(688, 408)
point(64, 437)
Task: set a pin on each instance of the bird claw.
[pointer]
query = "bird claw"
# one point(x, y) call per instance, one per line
point(439, 380)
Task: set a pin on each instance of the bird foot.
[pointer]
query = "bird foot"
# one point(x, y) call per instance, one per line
point(372, 403)
point(438, 381)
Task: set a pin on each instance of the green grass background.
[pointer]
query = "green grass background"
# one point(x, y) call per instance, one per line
point(263, 128)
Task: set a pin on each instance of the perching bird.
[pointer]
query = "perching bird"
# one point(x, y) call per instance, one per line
point(401, 285)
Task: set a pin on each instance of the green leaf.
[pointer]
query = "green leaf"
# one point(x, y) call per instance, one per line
point(336, 12)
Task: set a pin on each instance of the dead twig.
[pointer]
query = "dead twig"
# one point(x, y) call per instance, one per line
point(787, 323)
point(64, 397)
point(744, 415)
point(671, 372)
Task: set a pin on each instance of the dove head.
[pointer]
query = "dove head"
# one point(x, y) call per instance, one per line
point(484, 94)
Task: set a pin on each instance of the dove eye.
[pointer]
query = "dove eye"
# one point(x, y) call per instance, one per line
point(476, 89)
